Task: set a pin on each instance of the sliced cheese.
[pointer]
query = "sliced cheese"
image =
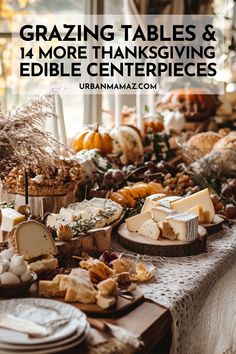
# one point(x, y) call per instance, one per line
point(201, 198)
point(10, 218)
point(197, 210)
point(150, 229)
point(135, 222)
point(160, 213)
point(166, 230)
point(34, 240)
point(167, 202)
point(185, 226)
point(150, 201)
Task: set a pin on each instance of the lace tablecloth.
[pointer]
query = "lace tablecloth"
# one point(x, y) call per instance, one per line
point(183, 285)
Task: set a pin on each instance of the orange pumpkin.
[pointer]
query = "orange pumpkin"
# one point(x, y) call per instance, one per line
point(92, 139)
point(198, 103)
point(156, 126)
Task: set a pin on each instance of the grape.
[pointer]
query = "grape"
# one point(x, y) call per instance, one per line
point(118, 175)
point(215, 199)
point(218, 206)
point(232, 183)
point(196, 189)
point(108, 177)
point(227, 191)
point(230, 211)
point(107, 257)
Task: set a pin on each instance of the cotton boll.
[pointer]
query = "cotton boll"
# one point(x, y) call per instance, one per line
point(17, 260)
point(7, 254)
point(26, 276)
point(4, 265)
point(18, 269)
point(8, 278)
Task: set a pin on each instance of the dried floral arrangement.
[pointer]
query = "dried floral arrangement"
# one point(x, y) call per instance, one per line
point(25, 146)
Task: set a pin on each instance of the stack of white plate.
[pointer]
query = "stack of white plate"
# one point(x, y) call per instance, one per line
point(68, 326)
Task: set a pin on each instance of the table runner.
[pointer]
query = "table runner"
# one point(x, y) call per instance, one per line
point(182, 284)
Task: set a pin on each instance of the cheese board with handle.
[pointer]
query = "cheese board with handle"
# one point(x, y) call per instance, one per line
point(161, 247)
point(123, 305)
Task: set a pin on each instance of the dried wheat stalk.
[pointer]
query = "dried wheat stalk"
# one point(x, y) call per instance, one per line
point(22, 142)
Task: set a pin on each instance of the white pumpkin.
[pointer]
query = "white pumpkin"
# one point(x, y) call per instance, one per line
point(174, 120)
point(127, 143)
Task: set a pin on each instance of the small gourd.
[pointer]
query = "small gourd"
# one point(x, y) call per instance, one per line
point(93, 139)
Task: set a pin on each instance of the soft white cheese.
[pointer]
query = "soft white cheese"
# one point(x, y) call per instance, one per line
point(197, 210)
point(185, 226)
point(160, 213)
point(134, 223)
point(150, 229)
point(167, 202)
point(150, 201)
point(201, 198)
point(69, 215)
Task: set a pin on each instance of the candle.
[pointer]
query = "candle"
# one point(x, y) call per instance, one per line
point(55, 122)
point(117, 109)
point(139, 111)
point(26, 188)
point(151, 98)
point(60, 113)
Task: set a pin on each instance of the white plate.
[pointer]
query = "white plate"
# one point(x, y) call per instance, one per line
point(42, 311)
point(20, 347)
point(49, 350)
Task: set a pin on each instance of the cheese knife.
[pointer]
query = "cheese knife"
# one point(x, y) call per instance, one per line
point(24, 326)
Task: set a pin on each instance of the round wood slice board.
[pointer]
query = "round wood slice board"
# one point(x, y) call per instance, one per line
point(162, 247)
point(215, 226)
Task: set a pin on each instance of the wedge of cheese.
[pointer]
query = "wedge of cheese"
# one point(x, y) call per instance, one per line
point(166, 230)
point(160, 213)
point(197, 210)
point(135, 222)
point(166, 202)
point(151, 200)
point(150, 229)
point(201, 198)
point(33, 240)
point(184, 225)
point(10, 218)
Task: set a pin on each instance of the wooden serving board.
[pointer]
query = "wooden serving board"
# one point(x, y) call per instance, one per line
point(162, 247)
point(122, 306)
point(216, 226)
point(40, 205)
point(98, 240)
